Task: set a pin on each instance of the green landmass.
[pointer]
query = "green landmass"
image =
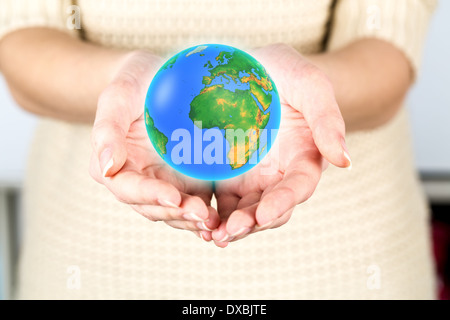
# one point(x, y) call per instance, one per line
point(218, 107)
point(169, 63)
point(158, 138)
point(197, 50)
point(224, 109)
point(208, 65)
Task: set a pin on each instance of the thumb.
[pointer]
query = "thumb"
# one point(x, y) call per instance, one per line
point(316, 100)
point(329, 136)
point(109, 145)
point(112, 123)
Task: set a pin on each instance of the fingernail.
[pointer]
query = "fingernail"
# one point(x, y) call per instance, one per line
point(192, 216)
point(265, 225)
point(201, 236)
point(168, 203)
point(106, 161)
point(349, 160)
point(346, 155)
point(202, 225)
point(226, 238)
point(241, 232)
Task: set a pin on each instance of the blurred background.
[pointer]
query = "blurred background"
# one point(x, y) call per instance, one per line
point(428, 102)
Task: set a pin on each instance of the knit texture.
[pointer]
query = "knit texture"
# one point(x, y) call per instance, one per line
point(362, 235)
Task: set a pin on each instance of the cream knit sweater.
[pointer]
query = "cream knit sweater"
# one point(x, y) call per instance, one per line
point(363, 234)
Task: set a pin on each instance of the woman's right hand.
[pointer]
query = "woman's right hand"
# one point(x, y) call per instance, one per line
point(125, 161)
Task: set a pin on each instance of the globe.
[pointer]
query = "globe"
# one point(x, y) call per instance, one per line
point(212, 112)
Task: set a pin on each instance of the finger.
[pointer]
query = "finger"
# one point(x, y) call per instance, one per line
point(169, 215)
point(221, 244)
point(212, 222)
point(242, 220)
point(329, 138)
point(276, 224)
point(112, 123)
point(220, 233)
point(178, 216)
point(182, 212)
point(325, 164)
point(226, 204)
point(213, 219)
point(133, 188)
point(183, 225)
point(205, 235)
point(195, 209)
point(322, 113)
point(95, 170)
point(298, 184)
point(283, 219)
point(158, 213)
point(191, 226)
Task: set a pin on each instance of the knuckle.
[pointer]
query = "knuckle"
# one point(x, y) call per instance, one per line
point(124, 85)
point(289, 192)
point(127, 84)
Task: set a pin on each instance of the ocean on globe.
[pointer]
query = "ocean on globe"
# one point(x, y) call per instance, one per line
point(212, 112)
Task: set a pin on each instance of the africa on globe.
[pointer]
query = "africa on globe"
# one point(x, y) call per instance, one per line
point(212, 112)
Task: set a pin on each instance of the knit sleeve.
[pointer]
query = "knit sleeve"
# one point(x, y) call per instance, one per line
point(17, 14)
point(401, 22)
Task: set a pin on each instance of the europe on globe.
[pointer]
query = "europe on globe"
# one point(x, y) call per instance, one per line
point(212, 112)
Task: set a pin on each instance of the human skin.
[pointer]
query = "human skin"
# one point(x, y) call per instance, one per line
point(52, 74)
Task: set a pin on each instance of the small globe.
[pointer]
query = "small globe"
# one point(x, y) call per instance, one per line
point(212, 112)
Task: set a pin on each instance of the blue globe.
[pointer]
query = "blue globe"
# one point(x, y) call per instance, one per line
point(212, 112)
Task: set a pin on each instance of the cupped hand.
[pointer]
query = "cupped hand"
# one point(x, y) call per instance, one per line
point(125, 161)
point(312, 133)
